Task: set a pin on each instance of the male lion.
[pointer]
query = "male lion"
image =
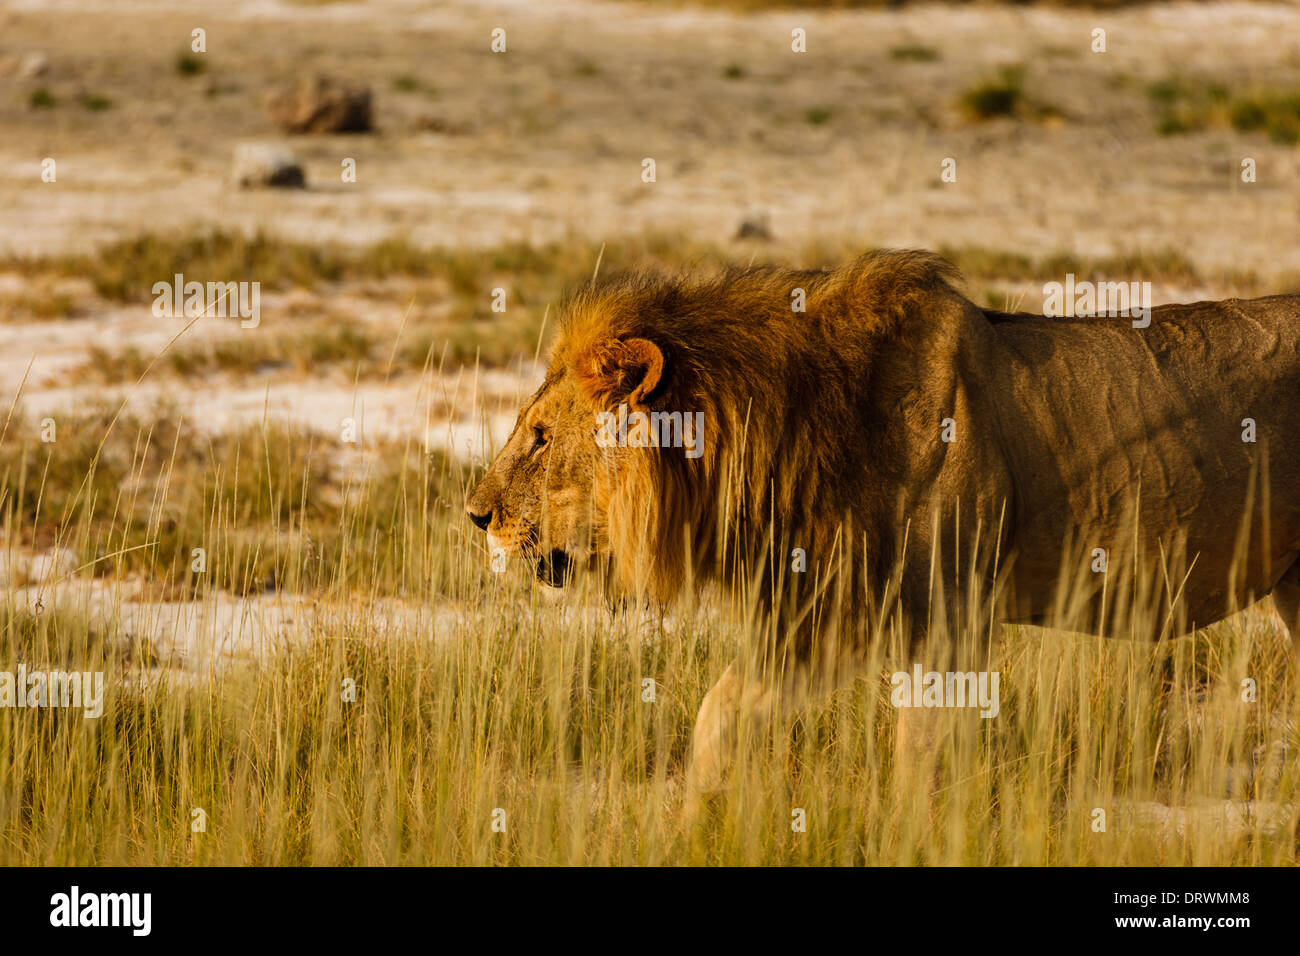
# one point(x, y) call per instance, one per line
point(909, 442)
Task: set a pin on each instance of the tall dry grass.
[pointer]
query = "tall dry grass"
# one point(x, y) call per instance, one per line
point(492, 725)
point(492, 705)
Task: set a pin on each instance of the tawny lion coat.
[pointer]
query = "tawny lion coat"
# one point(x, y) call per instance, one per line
point(894, 422)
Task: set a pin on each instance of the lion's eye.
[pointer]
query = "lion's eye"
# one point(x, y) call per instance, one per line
point(540, 437)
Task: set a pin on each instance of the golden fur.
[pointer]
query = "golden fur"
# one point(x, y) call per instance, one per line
point(823, 431)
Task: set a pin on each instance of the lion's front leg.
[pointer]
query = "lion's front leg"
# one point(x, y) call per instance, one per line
point(921, 735)
point(736, 699)
point(714, 738)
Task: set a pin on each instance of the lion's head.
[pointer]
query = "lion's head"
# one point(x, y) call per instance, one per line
point(683, 418)
point(547, 496)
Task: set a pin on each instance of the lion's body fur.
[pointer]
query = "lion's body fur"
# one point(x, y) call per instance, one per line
point(832, 418)
point(824, 431)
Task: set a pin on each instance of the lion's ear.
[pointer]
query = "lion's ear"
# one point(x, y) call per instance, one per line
point(621, 370)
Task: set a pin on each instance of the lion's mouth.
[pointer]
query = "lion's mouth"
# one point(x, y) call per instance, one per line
point(554, 569)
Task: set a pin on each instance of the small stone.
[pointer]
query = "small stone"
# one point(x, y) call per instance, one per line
point(267, 164)
point(320, 105)
point(754, 226)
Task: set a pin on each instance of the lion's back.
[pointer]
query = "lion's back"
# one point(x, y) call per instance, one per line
point(1097, 412)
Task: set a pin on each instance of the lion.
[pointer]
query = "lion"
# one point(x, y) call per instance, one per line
point(906, 441)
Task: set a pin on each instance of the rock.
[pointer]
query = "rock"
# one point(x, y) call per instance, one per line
point(320, 105)
point(34, 64)
point(267, 164)
point(754, 226)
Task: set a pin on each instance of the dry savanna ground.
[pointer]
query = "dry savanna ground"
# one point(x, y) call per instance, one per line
point(308, 658)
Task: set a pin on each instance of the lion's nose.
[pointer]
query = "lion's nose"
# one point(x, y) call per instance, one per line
point(482, 520)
